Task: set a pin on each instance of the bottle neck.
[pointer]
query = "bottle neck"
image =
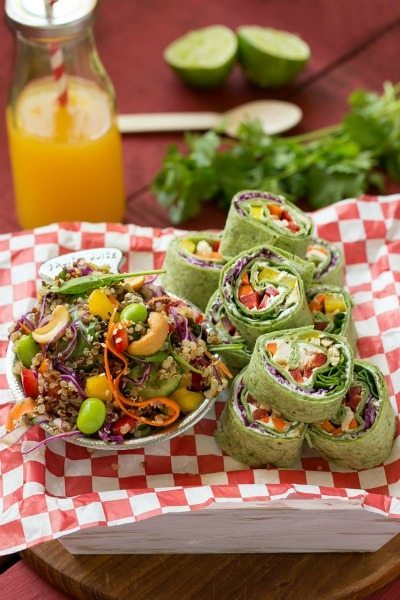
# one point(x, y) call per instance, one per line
point(79, 60)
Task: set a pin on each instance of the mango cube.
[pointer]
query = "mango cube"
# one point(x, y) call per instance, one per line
point(100, 304)
point(187, 400)
point(97, 386)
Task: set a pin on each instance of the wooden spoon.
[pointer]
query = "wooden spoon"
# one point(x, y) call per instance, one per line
point(275, 116)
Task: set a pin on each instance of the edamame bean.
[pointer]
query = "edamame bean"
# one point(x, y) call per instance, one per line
point(91, 415)
point(27, 348)
point(135, 312)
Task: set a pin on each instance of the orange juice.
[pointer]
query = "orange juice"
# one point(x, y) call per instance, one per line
point(66, 160)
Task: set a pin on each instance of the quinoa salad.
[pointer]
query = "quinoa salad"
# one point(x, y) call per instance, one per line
point(112, 356)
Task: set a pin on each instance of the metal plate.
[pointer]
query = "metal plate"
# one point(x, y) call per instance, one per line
point(112, 257)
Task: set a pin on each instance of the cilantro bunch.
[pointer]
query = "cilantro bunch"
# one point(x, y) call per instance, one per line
point(322, 166)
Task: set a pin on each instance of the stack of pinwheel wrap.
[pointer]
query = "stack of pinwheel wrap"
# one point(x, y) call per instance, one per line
point(276, 307)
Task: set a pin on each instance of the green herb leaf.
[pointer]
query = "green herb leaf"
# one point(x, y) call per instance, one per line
point(87, 283)
point(322, 166)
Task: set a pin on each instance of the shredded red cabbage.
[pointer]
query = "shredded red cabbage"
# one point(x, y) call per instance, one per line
point(42, 308)
point(369, 414)
point(58, 436)
point(106, 435)
point(72, 378)
point(242, 197)
point(181, 324)
point(44, 320)
point(27, 322)
point(150, 278)
point(72, 343)
point(143, 379)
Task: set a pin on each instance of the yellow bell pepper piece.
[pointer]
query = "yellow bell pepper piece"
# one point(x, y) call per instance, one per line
point(188, 245)
point(268, 274)
point(100, 304)
point(187, 400)
point(289, 281)
point(334, 304)
point(97, 386)
point(256, 212)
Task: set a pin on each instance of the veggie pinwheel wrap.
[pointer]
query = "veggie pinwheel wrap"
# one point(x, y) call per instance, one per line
point(262, 291)
point(234, 350)
point(257, 435)
point(331, 307)
point(193, 265)
point(328, 261)
point(257, 217)
point(302, 373)
point(360, 436)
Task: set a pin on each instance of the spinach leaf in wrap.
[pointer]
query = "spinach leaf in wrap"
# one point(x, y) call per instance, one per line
point(193, 265)
point(360, 435)
point(331, 308)
point(328, 261)
point(301, 373)
point(257, 435)
point(262, 291)
point(257, 217)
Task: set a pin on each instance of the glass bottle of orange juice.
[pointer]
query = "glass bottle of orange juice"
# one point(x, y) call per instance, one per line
point(65, 147)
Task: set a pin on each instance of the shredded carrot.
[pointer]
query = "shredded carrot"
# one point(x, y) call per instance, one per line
point(314, 306)
point(337, 431)
point(275, 209)
point(245, 279)
point(121, 400)
point(25, 329)
point(19, 410)
point(167, 420)
point(279, 423)
point(44, 366)
point(272, 347)
point(244, 290)
point(113, 300)
point(221, 366)
point(327, 426)
point(264, 419)
point(353, 424)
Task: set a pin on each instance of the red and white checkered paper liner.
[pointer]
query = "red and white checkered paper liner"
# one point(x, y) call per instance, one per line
point(62, 488)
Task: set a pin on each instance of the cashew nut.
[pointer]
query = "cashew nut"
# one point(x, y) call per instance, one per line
point(54, 328)
point(154, 338)
point(135, 283)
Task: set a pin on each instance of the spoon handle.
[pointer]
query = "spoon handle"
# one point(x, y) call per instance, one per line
point(147, 122)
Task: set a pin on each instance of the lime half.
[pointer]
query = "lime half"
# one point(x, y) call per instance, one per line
point(271, 57)
point(203, 57)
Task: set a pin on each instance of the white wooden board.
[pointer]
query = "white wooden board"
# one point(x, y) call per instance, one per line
point(292, 526)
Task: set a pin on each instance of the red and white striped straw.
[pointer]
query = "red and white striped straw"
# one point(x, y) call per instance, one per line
point(57, 62)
